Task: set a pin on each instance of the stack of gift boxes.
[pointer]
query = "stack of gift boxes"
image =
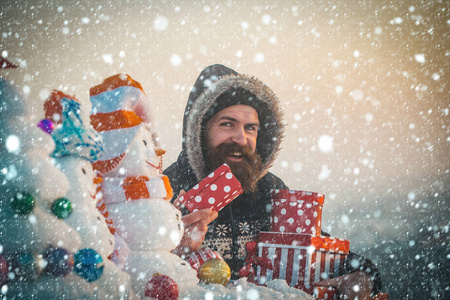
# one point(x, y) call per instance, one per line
point(298, 251)
point(294, 245)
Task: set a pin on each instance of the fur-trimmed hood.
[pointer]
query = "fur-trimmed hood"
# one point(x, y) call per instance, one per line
point(213, 81)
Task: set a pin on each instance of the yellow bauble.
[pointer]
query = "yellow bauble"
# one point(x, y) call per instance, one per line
point(215, 270)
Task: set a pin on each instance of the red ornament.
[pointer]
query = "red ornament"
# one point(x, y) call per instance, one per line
point(161, 287)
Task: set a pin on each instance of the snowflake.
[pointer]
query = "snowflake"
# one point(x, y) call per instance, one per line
point(221, 230)
point(244, 227)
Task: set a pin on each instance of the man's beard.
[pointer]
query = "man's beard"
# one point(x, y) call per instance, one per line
point(247, 171)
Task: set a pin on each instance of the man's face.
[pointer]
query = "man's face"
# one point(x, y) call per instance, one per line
point(231, 137)
point(234, 124)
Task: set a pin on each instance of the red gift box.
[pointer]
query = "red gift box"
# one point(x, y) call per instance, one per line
point(296, 212)
point(325, 293)
point(301, 259)
point(215, 191)
point(197, 258)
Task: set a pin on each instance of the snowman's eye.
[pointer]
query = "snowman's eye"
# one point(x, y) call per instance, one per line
point(84, 171)
point(145, 142)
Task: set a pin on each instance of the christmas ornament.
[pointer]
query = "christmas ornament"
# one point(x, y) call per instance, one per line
point(25, 266)
point(161, 287)
point(3, 271)
point(215, 270)
point(23, 203)
point(59, 261)
point(197, 258)
point(62, 208)
point(88, 264)
point(46, 125)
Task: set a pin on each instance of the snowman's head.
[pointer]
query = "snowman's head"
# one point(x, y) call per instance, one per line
point(140, 158)
point(81, 177)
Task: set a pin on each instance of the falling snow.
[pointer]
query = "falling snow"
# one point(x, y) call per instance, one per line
point(364, 90)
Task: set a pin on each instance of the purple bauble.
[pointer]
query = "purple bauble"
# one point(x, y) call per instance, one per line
point(46, 125)
point(59, 261)
point(3, 270)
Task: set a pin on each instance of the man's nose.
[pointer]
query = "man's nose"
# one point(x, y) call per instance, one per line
point(239, 137)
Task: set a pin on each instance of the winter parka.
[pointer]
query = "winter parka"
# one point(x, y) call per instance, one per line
point(241, 220)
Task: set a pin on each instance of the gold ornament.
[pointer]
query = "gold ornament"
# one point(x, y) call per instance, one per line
point(215, 270)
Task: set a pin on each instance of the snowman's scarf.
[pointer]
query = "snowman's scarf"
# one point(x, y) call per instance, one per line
point(118, 190)
point(101, 204)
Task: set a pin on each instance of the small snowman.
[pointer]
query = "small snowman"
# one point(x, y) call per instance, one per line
point(77, 146)
point(36, 245)
point(134, 191)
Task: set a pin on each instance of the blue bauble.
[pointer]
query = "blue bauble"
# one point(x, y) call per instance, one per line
point(59, 261)
point(88, 264)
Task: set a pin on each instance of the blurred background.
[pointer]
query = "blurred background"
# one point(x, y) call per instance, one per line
point(364, 86)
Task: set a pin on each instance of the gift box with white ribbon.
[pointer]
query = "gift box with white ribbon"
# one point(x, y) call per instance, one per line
point(301, 259)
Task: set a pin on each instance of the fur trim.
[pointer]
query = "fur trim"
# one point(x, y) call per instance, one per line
point(204, 102)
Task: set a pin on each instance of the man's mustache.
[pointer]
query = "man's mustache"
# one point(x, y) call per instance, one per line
point(246, 171)
point(233, 148)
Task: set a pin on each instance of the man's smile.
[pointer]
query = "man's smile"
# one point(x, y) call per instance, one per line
point(235, 156)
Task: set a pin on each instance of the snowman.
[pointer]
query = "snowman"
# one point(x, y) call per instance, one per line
point(134, 192)
point(76, 147)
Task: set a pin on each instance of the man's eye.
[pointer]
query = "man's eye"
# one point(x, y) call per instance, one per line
point(226, 124)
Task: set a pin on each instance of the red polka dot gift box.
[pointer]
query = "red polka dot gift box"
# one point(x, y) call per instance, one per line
point(296, 212)
point(215, 191)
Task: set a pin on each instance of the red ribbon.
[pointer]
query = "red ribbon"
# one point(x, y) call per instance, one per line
point(252, 260)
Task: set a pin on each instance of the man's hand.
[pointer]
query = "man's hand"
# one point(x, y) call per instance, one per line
point(357, 285)
point(195, 228)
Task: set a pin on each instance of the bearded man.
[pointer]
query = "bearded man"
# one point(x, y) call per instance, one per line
point(236, 119)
